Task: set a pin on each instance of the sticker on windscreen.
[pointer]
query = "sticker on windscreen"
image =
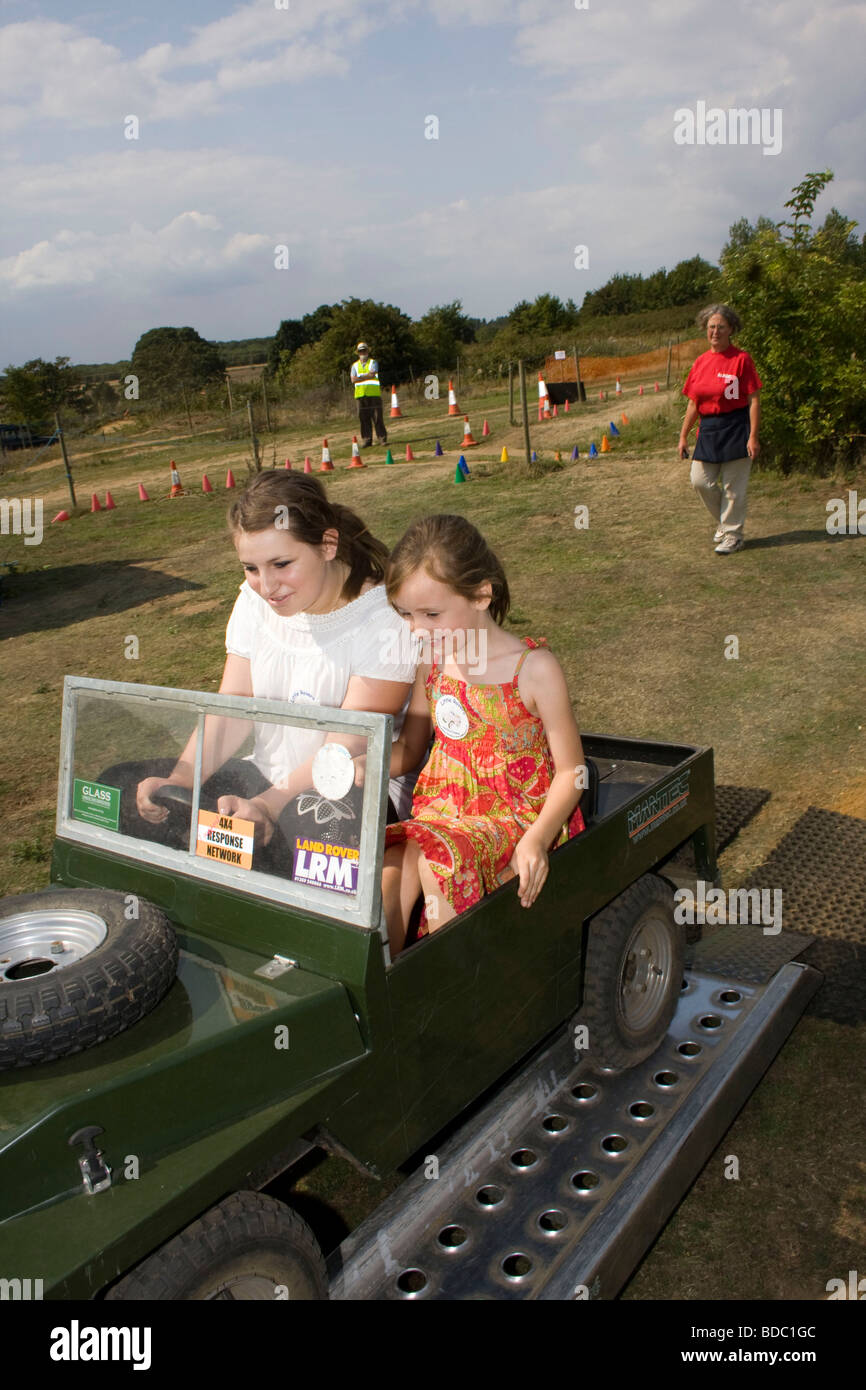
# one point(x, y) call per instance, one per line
point(96, 803)
point(333, 771)
point(225, 839)
point(323, 865)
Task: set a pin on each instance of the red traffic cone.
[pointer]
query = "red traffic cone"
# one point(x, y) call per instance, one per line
point(230, 479)
point(205, 483)
point(601, 395)
point(142, 495)
point(288, 463)
point(566, 405)
point(357, 461)
point(543, 398)
point(453, 407)
point(396, 412)
point(485, 430)
point(555, 410)
point(656, 387)
point(61, 516)
point(640, 390)
point(94, 503)
point(468, 441)
point(327, 466)
point(410, 457)
point(308, 467)
point(110, 503)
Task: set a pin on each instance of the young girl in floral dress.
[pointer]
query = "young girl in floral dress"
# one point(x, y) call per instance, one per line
point(501, 785)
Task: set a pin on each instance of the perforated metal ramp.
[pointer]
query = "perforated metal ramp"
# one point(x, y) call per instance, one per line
point(556, 1189)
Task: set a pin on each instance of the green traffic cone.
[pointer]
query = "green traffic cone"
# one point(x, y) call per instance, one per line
point(459, 475)
point(389, 457)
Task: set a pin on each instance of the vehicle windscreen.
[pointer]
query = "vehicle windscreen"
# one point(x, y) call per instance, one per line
point(285, 802)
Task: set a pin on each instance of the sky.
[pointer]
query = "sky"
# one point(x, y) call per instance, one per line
point(154, 156)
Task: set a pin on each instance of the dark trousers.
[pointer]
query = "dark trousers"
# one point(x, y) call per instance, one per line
point(370, 415)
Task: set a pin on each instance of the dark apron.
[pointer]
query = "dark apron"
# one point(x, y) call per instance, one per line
point(723, 437)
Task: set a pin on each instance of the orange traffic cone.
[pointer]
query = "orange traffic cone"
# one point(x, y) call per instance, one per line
point(543, 398)
point(94, 503)
point(308, 467)
point(503, 457)
point(453, 407)
point(109, 502)
point(557, 456)
point(624, 418)
point(327, 466)
point(356, 461)
point(288, 463)
point(61, 516)
point(142, 495)
point(656, 387)
point(566, 405)
point(468, 441)
point(205, 483)
point(618, 387)
point(230, 479)
point(485, 430)
point(605, 444)
point(555, 410)
point(396, 412)
point(176, 488)
point(640, 390)
point(410, 457)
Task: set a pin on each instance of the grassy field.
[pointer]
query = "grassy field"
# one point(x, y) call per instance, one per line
point(641, 612)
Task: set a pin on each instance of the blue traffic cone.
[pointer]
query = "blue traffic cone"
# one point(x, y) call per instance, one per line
point(574, 454)
point(534, 457)
point(438, 451)
point(593, 452)
point(613, 428)
point(463, 466)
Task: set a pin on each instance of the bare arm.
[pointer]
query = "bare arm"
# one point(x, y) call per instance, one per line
point(688, 422)
point(753, 447)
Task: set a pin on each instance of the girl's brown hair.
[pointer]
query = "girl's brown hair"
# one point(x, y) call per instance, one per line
point(297, 503)
point(451, 550)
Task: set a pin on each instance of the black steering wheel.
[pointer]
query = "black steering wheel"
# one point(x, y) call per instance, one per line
point(170, 794)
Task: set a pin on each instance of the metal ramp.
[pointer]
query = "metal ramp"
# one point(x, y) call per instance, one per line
point(559, 1185)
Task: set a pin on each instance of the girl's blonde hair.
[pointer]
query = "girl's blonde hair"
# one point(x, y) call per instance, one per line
point(451, 550)
point(277, 495)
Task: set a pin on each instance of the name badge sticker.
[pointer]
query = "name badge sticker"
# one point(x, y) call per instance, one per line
point(451, 718)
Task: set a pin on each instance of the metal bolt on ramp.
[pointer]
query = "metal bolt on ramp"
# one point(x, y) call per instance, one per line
point(560, 1184)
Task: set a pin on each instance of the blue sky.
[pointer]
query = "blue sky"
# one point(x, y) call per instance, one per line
point(305, 125)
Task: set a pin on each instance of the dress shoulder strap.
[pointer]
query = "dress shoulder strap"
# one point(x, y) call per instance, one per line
point(531, 644)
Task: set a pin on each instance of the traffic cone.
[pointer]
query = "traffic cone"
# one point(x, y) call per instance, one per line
point(94, 503)
point(288, 463)
point(533, 457)
point(593, 452)
point(327, 465)
point(656, 387)
point(624, 418)
point(605, 444)
point(389, 457)
point(453, 407)
point(438, 452)
point(574, 454)
point(503, 457)
point(601, 395)
point(485, 430)
point(566, 405)
point(396, 412)
point(557, 456)
point(543, 398)
point(468, 441)
point(142, 495)
point(640, 390)
point(618, 387)
point(555, 410)
point(61, 516)
point(205, 483)
point(308, 467)
point(458, 475)
point(109, 502)
point(410, 457)
point(463, 466)
point(356, 461)
point(613, 429)
point(230, 479)
point(176, 488)
point(546, 410)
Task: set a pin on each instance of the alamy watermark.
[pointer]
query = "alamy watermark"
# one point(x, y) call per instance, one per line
point(739, 125)
point(465, 647)
point(846, 518)
point(757, 907)
point(22, 516)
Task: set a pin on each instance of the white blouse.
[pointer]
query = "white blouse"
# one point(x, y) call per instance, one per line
point(309, 658)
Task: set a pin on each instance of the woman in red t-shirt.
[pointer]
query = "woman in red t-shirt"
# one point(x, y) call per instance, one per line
point(723, 390)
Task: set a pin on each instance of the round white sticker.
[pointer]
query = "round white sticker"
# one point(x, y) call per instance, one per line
point(451, 717)
point(333, 771)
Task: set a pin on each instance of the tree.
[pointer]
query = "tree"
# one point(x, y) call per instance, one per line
point(166, 359)
point(804, 306)
point(31, 394)
point(387, 330)
point(546, 314)
point(288, 338)
point(440, 330)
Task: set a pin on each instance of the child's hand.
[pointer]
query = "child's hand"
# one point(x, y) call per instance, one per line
point(360, 769)
point(249, 810)
point(529, 862)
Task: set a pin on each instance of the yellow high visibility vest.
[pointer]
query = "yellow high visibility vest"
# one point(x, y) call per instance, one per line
point(366, 388)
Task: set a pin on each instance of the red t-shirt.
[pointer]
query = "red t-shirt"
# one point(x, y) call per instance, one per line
point(722, 381)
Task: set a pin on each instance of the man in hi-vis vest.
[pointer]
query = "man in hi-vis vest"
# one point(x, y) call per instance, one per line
point(368, 394)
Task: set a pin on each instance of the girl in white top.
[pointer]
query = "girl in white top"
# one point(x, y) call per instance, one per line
point(311, 624)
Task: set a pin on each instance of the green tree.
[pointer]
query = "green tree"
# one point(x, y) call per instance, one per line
point(288, 338)
point(31, 394)
point(546, 314)
point(387, 330)
point(804, 307)
point(166, 359)
point(439, 332)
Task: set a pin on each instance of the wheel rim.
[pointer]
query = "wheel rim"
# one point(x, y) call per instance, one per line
point(646, 974)
point(38, 943)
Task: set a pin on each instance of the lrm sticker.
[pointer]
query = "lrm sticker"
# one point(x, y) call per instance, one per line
point(225, 839)
point(96, 803)
point(650, 813)
point(325, 866)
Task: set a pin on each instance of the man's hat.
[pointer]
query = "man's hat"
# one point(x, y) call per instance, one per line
point(362, 347)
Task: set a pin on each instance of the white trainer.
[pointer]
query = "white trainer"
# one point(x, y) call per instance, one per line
point(719, 536)
point(729, 545)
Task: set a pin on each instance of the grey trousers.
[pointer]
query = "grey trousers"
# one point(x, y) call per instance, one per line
point(722, 487)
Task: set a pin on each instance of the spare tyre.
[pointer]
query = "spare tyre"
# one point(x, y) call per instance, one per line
point(77, 966)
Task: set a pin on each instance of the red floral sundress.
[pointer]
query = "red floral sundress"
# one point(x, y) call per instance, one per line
point(485, 782)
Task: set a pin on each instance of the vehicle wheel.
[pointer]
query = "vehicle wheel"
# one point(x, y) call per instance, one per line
point(75, 971)
point(248, 1247)
point(634, 968)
